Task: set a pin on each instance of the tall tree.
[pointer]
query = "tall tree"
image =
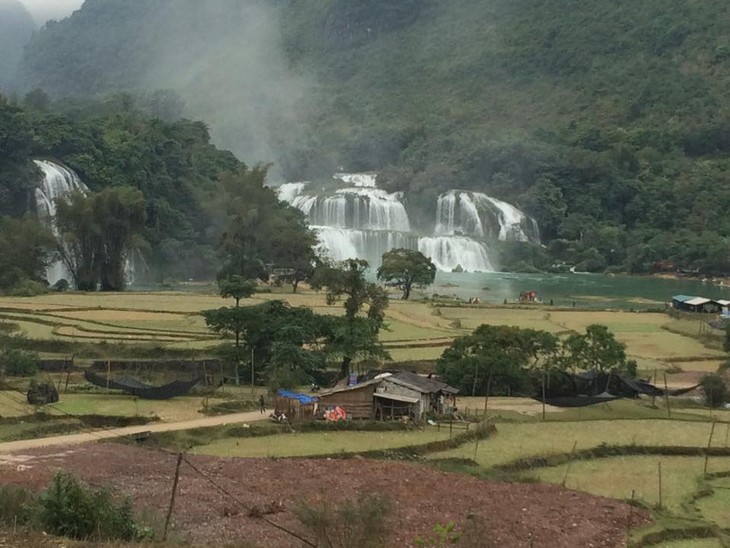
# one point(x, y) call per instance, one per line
point(598, 350)
point(27, 248)
point(354, 337)
point(236, 287)
point(98, 231)
point(405, 269)
point(495, 359)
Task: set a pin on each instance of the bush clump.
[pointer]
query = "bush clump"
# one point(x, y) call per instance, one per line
point(70, 509)
point(19, 363)
point(714, 390)
point(363, 522)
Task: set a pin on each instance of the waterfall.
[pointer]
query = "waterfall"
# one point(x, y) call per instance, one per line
point(357, 179)
point(451, 252)
point(464, 220)
point(511, 221)
point(355, 219)
point(289, 191)
point(343, 243)
point(57, 182)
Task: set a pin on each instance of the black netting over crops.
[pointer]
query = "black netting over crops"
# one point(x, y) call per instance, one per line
point(141, 390)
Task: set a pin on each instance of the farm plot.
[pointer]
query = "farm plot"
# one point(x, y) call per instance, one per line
point(617, 477)
point(715, 507)
point(471, 318)
point(516, 441)
point(317, 443)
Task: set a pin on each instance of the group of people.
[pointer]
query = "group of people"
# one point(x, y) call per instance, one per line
point(474, 300)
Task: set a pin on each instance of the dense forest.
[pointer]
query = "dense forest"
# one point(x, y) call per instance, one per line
point(158, 188)
point(607, 122)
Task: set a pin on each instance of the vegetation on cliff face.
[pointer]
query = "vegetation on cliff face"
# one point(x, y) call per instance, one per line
point(159, 186)
point(608, 122)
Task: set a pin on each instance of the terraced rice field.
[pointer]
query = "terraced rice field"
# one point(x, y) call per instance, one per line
point(618, 477)
point(320, 443)
point(531, 439)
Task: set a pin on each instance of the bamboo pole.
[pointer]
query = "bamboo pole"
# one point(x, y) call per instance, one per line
point(709, 444)
point(666, 397)
point(660, 484)
point(543, 394)
point(172, 496)
point(486, 398)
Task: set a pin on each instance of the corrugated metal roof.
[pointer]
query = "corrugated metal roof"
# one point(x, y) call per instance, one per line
point(348, 388)
point(395, 397)
point(682, 298)
point(723, 302)
point(697, 301)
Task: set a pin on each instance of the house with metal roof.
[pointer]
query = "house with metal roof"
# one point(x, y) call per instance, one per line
point(700, 305)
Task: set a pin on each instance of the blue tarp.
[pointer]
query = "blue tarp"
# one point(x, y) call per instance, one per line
point(303, 398)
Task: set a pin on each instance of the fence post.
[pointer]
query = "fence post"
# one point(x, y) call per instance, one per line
point(172, 496)
point(709, 444)
point(570, 463)
point(660, 485)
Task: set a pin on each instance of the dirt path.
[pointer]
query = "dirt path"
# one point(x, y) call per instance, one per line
point(110, 433)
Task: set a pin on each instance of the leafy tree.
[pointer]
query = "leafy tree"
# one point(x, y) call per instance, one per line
point(281, 338)
point(496, 359)
point(26, 250)
point(598, 350)
point(353, 337)
point(236, 287)
point(98, 230)
point(406, 268)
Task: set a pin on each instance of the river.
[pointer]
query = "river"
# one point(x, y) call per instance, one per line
point(585, 290)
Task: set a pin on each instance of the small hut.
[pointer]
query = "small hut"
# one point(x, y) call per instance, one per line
point(357, 401)
point(296, 406)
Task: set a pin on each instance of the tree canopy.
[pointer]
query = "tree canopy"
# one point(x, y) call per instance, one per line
point(405, 269)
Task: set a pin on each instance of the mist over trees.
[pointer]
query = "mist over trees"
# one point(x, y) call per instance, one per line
point(590, 119)
point(160, 188)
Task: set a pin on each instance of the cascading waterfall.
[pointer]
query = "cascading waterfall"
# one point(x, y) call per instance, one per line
point(57, 182)
point(358, 220)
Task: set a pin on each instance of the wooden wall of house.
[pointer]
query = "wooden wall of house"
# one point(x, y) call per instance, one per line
point(358, 403)
point(390, 387)
point(294, 409)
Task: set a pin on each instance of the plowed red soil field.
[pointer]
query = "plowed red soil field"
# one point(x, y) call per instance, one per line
point(512, 514)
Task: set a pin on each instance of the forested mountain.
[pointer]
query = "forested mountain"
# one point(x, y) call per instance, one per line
point(195, 208)
point(16, 27)
point(607, 121)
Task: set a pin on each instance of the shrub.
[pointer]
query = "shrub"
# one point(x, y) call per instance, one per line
point(28, 288)
point(19, 363)
point(69, 509)
point(363, 522)
point(16, 505)
point(714, 390)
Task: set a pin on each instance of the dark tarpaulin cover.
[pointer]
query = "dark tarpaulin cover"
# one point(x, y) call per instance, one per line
point(144, 391)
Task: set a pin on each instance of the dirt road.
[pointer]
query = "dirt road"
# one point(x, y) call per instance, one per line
point(109, 433)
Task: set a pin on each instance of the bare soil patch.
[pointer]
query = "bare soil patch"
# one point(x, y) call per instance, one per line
point(512, 514)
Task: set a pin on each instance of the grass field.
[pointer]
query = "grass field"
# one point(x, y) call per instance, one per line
point(318, 443)
point(617, 477)
point(519, 440)
point(176, 409)
point(171, 320)
point(716, 507)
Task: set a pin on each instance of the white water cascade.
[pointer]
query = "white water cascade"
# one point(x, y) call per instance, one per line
point(57, 182)
point(355, 219)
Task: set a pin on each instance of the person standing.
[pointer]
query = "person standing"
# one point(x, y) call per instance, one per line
point(262, 404)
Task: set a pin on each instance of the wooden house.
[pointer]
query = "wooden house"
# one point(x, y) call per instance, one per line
point(296, 407)
point(357, 400)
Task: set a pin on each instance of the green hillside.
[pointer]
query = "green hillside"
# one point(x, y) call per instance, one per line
point(607, 121)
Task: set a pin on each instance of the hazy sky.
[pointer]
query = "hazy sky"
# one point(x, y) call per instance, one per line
point(42, 10)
